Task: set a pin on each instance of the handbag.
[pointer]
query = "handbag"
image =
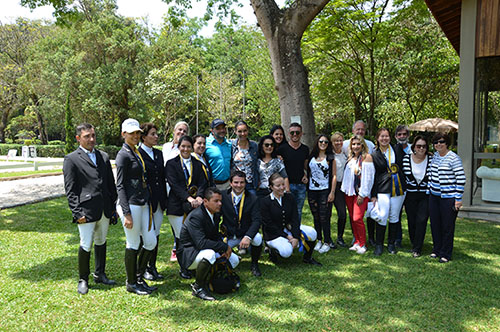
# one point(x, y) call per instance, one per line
point(223, 279)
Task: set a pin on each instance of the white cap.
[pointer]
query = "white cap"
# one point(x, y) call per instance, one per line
point(130, 126)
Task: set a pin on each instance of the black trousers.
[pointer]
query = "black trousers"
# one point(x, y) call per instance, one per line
point(443, 216)
point(322, 212)
point(417, 213)
point(340, 206)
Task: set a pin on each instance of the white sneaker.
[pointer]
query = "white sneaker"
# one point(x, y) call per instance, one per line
point(354, 247)
point(318, 246)
point(324, 248)
point(361, 250)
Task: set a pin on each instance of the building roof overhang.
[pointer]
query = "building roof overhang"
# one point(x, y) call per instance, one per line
point(447, 13)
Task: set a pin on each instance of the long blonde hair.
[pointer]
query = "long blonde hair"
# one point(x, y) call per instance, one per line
point(364, 147)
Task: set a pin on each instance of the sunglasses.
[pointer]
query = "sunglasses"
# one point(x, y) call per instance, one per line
point(418, 146)
point(295, 133)
point(441, 141)
point(268, 145)
point(323, 142)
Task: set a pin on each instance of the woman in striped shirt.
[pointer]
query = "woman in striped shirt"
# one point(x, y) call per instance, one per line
point(416, 169)
point(446, 187)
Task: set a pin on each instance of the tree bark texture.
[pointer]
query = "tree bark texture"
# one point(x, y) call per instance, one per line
point(283, 30)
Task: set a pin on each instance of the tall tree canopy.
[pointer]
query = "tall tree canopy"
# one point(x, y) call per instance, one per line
point(347, 60)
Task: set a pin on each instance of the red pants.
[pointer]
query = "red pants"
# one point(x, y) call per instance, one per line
point(356, 213)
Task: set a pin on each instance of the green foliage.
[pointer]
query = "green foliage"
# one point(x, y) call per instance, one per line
point(386, 68)
point(111, 150)
point(4, 148)
point(363, 61)
point(70, 144)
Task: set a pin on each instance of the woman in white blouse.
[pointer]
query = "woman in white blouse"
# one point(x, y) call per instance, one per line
point(356, 185)
point(170, 149)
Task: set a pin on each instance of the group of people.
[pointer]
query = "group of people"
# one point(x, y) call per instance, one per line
point(219, 193)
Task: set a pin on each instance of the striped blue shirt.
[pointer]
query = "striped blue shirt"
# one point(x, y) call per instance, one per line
point(447, 176)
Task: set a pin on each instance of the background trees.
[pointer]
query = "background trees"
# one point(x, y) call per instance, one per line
point(372, 60)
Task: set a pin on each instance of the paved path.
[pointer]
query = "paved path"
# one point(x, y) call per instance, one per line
point(32, 190)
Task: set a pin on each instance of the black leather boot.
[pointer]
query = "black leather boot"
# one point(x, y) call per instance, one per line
point(144, 256)
point(379, 248)
point(308, 254)
point(83, 270)
point(370, 225)
point(184, 273)
point(255, 251)
point(379, 240)
point(131, 269)
point(151, 271)
point(273, 255)
point(392, 238)
point(100, 266)
point(200, 286)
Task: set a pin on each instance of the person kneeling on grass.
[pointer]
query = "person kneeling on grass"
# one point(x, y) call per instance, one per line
point(281, 226)
point(200, 242)
point(241, 219)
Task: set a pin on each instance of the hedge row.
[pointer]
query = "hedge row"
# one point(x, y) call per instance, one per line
point(54, 151)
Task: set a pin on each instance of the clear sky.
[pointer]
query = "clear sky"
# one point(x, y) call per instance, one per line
point(152, 9)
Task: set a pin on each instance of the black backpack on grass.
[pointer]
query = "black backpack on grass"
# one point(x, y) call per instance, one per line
point(223, 279)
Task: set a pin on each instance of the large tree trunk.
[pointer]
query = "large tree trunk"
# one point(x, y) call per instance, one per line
point(39, 118)
point(3, 123)
point(283, 30)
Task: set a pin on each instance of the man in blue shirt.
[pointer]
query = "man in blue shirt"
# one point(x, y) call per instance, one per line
point(218, 154)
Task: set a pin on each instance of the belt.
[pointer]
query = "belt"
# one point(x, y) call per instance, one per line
point(220, 182)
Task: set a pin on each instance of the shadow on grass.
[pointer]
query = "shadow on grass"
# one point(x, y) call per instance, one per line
point(352, 292)
point(349, 293)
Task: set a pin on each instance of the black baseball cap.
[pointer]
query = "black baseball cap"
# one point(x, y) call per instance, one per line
point(217, 122)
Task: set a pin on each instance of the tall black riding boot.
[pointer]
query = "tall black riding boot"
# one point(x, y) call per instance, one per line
point(255, 251)
point(100, 266)
point(144, 256)
point(370, 225)
point(308, 254)
point(399, 233)
point(183, 271)
point(379, 241)
point(131, 269)
point(83, 270)
point(200, 286)
point(393, 229)
point(151, 271)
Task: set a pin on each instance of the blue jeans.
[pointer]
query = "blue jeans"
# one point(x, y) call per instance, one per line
point(299, 192)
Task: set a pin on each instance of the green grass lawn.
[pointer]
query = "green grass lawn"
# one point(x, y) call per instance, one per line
point(13, 174)
point(38, 279)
